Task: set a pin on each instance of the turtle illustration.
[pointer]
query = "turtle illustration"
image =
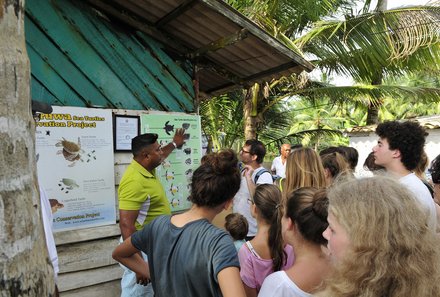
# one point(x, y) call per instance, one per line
point(169, 175)
point(166, 164)
point(71, 151)
point(67, 184)
point(188, 161)
point(175, 202)
point(168, 128)
point(174, 189)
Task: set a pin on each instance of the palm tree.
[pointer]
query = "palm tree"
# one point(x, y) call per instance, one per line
point(283, 19)
point(377, 45)
point(369, 47)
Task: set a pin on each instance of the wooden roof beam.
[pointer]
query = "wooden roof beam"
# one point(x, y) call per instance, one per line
point(175, 13)
point(256, 77)
point(220, 43)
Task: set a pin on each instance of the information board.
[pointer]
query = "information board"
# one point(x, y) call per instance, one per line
point(76, 166)
point(176, 171)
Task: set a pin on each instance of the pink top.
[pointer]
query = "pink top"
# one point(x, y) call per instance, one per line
point(254, 269)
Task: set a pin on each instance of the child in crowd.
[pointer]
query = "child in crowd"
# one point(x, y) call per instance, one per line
point(304, 220)
point(237, 226)
point(191, 256)
point(379, 242)
point(266, 252)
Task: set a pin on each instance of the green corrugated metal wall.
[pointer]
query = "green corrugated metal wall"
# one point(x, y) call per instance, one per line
point(79, 58)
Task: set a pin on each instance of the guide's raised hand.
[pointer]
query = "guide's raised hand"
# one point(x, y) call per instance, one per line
point(178, 137)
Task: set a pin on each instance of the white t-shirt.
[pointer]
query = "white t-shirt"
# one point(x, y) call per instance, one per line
point(242, 205)
point(46, 213)
point(421, 192)
point(278, 284)
point(279, 167)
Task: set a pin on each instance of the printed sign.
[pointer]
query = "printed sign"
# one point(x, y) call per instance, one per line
point(176, 171)
point(76, 166)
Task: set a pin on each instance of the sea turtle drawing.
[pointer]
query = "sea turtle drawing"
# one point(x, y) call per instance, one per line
point(174, 189)
point(166, 164)
point(175, 202)
point(71, 151)
point(68, 183)
point(168, 128)
point(169, 175)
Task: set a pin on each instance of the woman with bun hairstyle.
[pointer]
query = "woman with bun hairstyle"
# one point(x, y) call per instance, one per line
point(188, 256)
point(266, 252)
point(303, 169)
point(304, 220)
point(379, 242)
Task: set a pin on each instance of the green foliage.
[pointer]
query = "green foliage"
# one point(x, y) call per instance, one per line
point(394, 56)
point(395, 42)
point(222, 120)
point(289, 17)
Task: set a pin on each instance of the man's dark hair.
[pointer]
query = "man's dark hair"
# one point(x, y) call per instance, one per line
point(256, 148)
point(139, 142)
point(331, 150)
point(435, 170)
point(351, 154)
point(407, 137)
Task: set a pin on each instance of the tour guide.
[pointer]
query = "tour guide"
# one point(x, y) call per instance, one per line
point(142, 197)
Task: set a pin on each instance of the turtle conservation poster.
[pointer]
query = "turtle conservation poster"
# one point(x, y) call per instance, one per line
point(176, 171)
point(76, 166)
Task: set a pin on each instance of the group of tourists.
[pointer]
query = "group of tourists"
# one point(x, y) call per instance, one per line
point(313, 230)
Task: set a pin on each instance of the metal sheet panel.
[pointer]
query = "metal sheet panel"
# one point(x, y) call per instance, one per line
point(102, 64)
point(187, 26)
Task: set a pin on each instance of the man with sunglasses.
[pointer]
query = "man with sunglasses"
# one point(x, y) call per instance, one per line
point(142, 197)
point(252, 174)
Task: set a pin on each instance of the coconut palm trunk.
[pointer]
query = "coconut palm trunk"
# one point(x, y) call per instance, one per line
point(24, 266)
point(250, 112)
point(373, 108)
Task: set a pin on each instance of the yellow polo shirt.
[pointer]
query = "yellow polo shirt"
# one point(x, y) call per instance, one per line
point(141, 190)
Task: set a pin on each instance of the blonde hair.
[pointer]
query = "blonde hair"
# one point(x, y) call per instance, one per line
point(303, 169)
point(393, 252)
point(421, 166)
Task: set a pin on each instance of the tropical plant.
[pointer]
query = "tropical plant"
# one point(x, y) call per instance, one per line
point(376, 45)
point(372, 47)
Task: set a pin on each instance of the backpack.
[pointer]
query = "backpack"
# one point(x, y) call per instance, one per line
point(259, 173)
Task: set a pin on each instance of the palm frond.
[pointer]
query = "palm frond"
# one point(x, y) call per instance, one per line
point(369, 94)
point(298, 136)
point(380, 40)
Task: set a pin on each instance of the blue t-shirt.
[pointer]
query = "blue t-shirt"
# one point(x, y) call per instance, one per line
point(185, 261)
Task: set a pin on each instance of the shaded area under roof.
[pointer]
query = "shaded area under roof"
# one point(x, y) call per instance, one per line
point(229, 50)
point(79, 58)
